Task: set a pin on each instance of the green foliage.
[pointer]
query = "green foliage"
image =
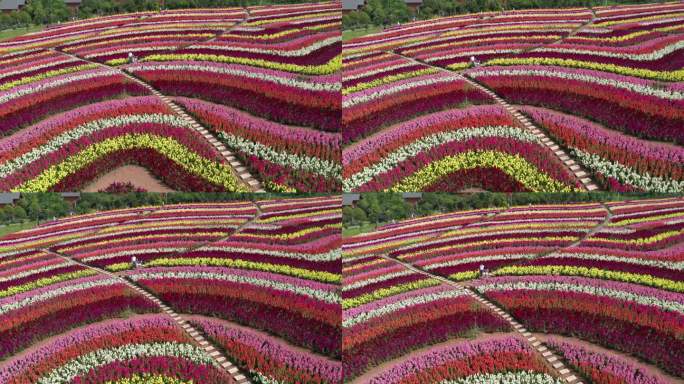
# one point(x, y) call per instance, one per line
point(385, 12)
point(355, 19)
point(47, 11)
point(387, 207)
point(49, 205)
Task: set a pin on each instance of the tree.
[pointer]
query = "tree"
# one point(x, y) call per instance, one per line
point(22, 18)
point(356, 19)
point(397, 11)
point(376, 11)
point(358, 215)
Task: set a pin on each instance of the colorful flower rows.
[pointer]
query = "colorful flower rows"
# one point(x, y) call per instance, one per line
point(603, 368)
point(418, 154)
point(34, 286)
point(268, 359)
point(140, 347)
point(389, 310)
point(617, 66)
point(278, 64)
point(306, 316)
point(622, 163)
point(389, 90)
point(51, 93)
point(67, 151)
point(157, 235)
point(277, 96)
point(637, 107)
point(496, 360)
point(68, 317)
point(643, 321)
point(300, 158)
point(511, 237)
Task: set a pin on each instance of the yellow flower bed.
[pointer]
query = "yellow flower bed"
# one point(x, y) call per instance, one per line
point(212, 171)
point(513, 165)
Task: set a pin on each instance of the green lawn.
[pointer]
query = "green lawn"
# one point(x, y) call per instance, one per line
point(5, 229)
point(10, 33)
point(367, 227)
point(352, 34)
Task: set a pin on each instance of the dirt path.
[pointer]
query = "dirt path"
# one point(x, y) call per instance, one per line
point(135, 174)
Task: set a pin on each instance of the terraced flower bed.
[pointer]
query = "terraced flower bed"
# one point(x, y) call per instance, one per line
point(259, 280)
point(604, 85)
point(76, 110)
point(594, 288)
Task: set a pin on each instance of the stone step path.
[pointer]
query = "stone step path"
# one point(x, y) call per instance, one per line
point(579, 172)
point(208, 347)
point(238, 168)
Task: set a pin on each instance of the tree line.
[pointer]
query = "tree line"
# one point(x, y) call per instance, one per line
point(45, 12)
point(46, 206)
point(381, 208)
point(389, 12)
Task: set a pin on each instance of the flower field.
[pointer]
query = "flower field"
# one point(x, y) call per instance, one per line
point(262, 80)
point(258, 282)
point(603, 85)
point(594, 287)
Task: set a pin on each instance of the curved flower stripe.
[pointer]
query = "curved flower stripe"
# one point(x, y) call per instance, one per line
point(677, 75)
point(350, 321)
point(388, 79)
point(149, 379)
point(62, 291)
point(45, 75)
point(670, 285)
point(385, 292)
point(426, 143)
point(331, 255)
point(84, 130)
point(627, 175)
point(215, 172)
point(330, 67)
point(507, 378)
point(292, 160)
point(643, 87)
point(85, 363)
point(242, 264)
point(592, 290)
point(329, 297)
point(513, 165)
point(45, 281)
point(282, 78)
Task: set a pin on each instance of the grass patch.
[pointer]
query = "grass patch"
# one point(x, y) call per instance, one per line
point(10, 33)
point(354, 33)
point(9, 228)
point(351, 231)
